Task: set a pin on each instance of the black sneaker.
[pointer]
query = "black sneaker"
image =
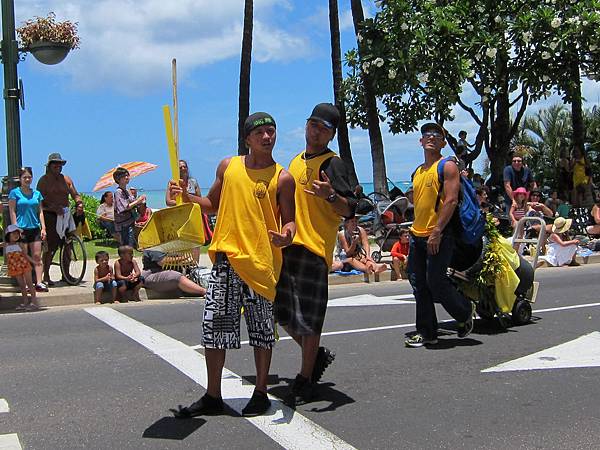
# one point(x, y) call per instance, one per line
point(418, 340)
point(302, 391)
point(324, 358)
point(207, 405)
point(465, 328)
point(258, 404)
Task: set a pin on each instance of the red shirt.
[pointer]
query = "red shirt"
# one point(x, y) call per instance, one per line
point(399, 250)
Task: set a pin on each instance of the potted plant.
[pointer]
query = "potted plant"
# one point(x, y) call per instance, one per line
point(47, 40)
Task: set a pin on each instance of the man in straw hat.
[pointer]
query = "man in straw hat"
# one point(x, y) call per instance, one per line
point(55, 188)
point(252, 196)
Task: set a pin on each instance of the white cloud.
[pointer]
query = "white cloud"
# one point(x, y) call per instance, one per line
point(127, 44)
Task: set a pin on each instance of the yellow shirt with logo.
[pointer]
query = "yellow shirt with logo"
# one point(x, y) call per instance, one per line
point(247, 210)
point(426, 185)
point(316, 221)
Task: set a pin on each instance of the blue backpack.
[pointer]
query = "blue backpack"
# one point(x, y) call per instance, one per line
point(471, 220)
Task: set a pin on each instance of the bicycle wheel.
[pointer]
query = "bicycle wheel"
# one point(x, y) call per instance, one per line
point(73, 260)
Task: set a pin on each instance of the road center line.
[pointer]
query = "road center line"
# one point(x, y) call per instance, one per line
point(408, 325)
point(285, 426)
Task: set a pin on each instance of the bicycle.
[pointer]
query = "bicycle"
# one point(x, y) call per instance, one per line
point(72, 259)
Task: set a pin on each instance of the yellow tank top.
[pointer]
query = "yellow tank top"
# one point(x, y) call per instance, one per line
point(247, 209)
point(426, 186)
point(316, 221)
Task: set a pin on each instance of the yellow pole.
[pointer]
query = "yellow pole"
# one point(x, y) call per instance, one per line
point(173, 156)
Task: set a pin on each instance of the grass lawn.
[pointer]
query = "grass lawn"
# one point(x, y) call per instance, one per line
point(110, 246)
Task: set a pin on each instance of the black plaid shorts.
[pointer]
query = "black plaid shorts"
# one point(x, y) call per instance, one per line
point(301, 300)
point(227, 293)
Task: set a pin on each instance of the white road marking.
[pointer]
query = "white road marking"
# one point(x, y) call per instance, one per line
point(4, 406)
point(565, 308)
point(408, 325)
point(371, 300)
point(581, 352)
point(288, 428)
point(10, 442)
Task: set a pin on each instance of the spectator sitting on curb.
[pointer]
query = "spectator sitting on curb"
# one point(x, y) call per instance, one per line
point(355, 244)
point(400, 254)
point(164, 281)
point(560, 250)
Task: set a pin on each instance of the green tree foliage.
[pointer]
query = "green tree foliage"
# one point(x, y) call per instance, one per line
point(90, 205)
point(426, 56)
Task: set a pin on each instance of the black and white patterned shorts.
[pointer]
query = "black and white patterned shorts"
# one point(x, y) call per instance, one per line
point(227, 293)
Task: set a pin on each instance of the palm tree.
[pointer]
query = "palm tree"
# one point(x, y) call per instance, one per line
point(245, 64)
point(377, 154)
point(545, 133)
point(336, 64)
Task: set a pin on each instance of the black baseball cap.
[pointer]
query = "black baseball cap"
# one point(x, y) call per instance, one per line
point(432, 126)
point(256, 120)
point(327, 114)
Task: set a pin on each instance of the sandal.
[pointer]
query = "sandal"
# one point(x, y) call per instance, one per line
point(21, 307)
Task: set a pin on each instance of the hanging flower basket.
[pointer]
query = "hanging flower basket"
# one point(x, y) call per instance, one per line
point(48, 41)
point(49, 52)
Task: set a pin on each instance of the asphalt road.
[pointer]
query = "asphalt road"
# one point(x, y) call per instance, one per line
point(73, 381)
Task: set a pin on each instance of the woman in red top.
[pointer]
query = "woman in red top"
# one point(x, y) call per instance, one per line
point(400, 255)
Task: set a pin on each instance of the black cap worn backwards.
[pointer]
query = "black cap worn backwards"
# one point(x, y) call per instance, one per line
point(256, 120)
point(327, 114)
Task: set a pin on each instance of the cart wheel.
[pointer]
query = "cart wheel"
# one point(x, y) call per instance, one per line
point(484, 313)
point(521, 313)
point(376, 256)
point(504, 320)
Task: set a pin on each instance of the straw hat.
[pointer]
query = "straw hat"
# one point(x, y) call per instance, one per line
point(561, 225)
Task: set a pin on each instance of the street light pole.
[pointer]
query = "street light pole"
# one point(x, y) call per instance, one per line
point(11, 94)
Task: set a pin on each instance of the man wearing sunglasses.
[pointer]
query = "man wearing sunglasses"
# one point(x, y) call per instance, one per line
point(432, 242)
point(516, 176)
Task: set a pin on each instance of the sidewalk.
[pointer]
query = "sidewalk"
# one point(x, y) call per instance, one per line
point(63, 294)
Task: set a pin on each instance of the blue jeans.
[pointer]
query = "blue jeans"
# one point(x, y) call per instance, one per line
point(127, 236)
point(427, 275)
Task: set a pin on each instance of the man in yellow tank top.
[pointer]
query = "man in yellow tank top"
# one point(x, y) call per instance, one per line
point(254, 200)
point(432, 242)
point(322, 196)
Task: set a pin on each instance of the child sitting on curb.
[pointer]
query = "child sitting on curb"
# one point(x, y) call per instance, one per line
point(400, 254)
point(128, 273)
point(104, 279)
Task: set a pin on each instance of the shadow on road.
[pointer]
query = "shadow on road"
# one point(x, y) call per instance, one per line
point(172, 428)
point(325, 393)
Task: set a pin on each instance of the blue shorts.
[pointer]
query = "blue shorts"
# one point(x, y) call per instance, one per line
point(129, 284)
point(105, 285)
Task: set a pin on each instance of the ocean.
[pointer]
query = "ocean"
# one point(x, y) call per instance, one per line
point(155, 198)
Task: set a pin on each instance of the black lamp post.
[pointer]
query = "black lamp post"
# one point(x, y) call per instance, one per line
point(13, 94)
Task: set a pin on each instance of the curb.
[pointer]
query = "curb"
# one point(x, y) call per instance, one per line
point(65, 295)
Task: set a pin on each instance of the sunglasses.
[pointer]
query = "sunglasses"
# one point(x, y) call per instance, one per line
point(432, 134)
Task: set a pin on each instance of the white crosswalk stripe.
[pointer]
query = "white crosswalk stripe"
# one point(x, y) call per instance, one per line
point(10, 442)
point(285, 426)
point(4, 406)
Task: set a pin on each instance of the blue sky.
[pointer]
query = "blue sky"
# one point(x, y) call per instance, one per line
point(102, 105)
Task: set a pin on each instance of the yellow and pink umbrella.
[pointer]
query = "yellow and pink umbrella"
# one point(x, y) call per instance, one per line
point(135, 168)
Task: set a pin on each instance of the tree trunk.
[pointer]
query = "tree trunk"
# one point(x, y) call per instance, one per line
point(245, 64)
point(576, 107)
point(377, 154)
point(501, 124)
point(336, 64)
